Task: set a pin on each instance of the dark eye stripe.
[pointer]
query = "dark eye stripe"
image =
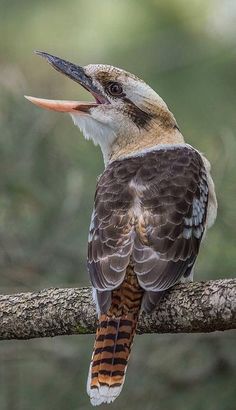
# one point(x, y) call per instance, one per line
point(138, 116)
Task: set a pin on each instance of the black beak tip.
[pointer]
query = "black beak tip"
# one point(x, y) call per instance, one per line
point(58, 63)
point(72, 71)
point(40, 53)
point(47, 56)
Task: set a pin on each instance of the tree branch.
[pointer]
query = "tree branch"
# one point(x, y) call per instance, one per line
point(194, 307)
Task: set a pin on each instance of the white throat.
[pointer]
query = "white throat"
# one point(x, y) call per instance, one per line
point(100, 133)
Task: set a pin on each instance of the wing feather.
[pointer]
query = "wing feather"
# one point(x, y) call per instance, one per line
point(150, 209)
point(174, 206)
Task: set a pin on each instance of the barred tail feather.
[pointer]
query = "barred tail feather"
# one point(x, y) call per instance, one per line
point(111, 352)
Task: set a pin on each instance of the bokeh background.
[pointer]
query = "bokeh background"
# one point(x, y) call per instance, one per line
point(186, 51)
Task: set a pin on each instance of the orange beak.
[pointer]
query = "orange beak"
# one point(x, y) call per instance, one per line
point(61, 105)
point(77, 74)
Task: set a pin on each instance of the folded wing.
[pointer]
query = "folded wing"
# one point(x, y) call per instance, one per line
point(149, 210)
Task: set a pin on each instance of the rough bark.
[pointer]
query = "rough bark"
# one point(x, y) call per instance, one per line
point(194, 307)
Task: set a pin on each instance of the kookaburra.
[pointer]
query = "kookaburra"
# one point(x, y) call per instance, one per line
point(153, 204)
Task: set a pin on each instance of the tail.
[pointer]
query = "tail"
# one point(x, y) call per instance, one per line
point(114, 339)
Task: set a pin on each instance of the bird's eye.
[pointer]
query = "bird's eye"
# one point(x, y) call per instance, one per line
point(115, 89)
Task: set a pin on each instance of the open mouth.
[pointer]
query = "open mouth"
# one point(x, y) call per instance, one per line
point(76, 73)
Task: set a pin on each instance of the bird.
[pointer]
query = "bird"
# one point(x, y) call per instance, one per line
point(153, 204)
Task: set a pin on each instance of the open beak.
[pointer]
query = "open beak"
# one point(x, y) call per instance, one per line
point(77, 74)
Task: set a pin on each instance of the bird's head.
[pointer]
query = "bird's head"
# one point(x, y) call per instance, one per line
point(125, 115)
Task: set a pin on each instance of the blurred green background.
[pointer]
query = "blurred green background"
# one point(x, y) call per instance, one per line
point(186, 51)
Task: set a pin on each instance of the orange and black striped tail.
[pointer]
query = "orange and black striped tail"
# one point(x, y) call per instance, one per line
point(114, 340)
point(112, 347)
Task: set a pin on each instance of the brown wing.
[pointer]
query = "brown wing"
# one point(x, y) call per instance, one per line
point(111, 230)
point(174, 205)
point(151, 208)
